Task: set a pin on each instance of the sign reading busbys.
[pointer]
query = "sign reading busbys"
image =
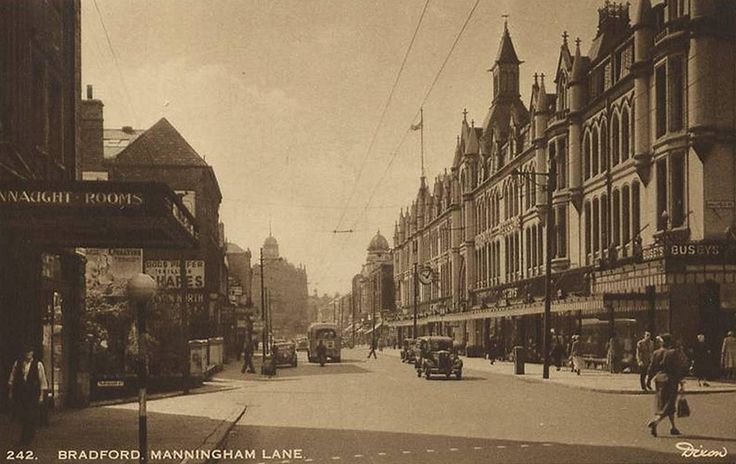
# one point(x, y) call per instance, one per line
point(701, 253)
point(167, 273)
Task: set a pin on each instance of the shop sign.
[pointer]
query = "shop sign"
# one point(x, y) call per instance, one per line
point(110, 383)
point(180, 297)
point(167, 273)
point(719, 204)
point(60, 197)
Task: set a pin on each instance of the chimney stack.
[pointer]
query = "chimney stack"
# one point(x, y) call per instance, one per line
point(89, 92)
point(91, 121)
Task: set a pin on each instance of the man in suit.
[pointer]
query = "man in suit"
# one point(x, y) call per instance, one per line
point(644, 350)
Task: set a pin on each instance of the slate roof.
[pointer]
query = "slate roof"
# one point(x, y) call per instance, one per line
point(115, 140)
point(160, 145)
point(506, 53)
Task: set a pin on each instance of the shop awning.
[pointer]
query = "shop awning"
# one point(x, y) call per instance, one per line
point(378, 326)
point(96, 214)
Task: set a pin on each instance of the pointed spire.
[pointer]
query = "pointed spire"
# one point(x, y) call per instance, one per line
point(542, 104)
point(565, 35)
point(536, 81)
point(506, 53)
point(578, 67)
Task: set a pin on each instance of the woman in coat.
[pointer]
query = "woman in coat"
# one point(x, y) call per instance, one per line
point(576, 353)
point(667, 369)
point(728, 355)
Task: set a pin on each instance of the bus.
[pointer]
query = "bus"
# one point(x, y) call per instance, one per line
point(327, 332)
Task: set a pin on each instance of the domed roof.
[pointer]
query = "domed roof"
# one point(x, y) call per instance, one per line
point(378, 243)
point(270, 241)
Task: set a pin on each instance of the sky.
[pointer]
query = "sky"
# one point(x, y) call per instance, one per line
point(283, 97)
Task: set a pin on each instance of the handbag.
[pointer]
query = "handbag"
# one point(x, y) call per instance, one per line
point(683, 408)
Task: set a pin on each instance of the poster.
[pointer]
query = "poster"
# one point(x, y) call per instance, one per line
point(109, 269)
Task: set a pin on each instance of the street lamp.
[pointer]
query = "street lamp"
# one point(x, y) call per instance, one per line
point(264, 332)
point(141, 289)
point(551, 176)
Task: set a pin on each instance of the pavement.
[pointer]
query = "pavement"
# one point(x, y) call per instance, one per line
point(176, 423)
point(590, 379)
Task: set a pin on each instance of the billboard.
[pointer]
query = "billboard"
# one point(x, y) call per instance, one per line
point(108, 269)
point(167, 273)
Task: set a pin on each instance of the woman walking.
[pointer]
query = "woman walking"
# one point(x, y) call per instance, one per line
point(576, 354)
point(667, 370)
point(728, 355)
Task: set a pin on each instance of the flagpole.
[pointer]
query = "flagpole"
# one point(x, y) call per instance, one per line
point(421, 137)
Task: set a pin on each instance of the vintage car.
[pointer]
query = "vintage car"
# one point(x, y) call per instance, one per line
point(438, 356)
point(302, 344)
point(407, 350)
point(286, 354)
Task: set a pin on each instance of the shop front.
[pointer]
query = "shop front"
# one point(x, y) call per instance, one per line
point(43, 227)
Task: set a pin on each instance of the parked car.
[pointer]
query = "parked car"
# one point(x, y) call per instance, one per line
point(407, 350)
point(286, 354)
point(438, 356)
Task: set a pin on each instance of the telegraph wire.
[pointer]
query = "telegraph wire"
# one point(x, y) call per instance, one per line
point(424, 100)
point(116, 62)
point(383, 114)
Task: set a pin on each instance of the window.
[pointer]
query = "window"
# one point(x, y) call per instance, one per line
point(614, 141)
point(625, 141)
point(676, 91)
point(661, 167)
point(627, 209)
point(594, 154)
point(562, 164)
point(596, 226)
point(561, 231)
point(604, 147)
point(616, 218)
point(586, 156)
point(660, 82)
point(540, 245)
point(677, 169)
point(635, 208)
point(604, 222)
point(588, 226)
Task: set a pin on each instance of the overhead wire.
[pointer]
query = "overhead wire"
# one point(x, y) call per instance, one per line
point(374, 137)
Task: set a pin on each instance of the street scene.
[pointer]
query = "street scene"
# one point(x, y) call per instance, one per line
point(389, 231)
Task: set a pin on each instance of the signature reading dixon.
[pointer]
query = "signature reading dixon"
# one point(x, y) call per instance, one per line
point(690, 451)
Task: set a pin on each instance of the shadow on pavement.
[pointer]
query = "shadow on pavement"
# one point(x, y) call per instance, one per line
point(323, 445)
point(305, 370)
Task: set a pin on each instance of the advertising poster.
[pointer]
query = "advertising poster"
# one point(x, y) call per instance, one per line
point(421, 231)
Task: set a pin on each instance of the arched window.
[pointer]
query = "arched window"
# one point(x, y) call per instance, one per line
point(625, 220)
point(625, 141)
point(586, 155)
point(604, 146)
point(588, 226)
point(596, 226)
point(635, 208)
point(614, 141)
point(616, 217)
point(595, 152)
point(605, 238)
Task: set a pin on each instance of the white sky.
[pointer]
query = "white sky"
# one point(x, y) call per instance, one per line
point(282, 99)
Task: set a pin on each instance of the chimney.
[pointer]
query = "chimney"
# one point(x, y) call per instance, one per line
point(127, 129)
point(91, 121)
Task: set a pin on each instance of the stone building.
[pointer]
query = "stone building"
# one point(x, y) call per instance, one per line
point(636, 131)
point(286, 291)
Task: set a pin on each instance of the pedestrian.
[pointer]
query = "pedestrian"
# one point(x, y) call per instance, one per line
point(247, 357)
point(557, 351)
point(373, 350)
point(26, 386)
point(491, 350)
point(728, 355)
point(321, 353)
point(576, 354)
point(380, 344)
point(667, 369)
point(644, 350)
point(702, 356)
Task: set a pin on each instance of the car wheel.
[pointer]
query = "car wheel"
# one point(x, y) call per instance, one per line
point(459, 375)
point(427, 374)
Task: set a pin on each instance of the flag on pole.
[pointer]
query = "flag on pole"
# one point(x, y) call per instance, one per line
point(418, 126)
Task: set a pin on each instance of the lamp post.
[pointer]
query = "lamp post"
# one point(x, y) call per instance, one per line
point(416, 299)
point(141, 289)
point(264, 332)
point(551, 176)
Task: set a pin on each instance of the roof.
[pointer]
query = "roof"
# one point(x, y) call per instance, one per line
point(506, 53)
point(233, 248)
point(116, 140)
point(378, 243)
point(160, 145)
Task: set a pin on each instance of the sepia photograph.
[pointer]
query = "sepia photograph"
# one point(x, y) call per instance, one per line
point(368, 231)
